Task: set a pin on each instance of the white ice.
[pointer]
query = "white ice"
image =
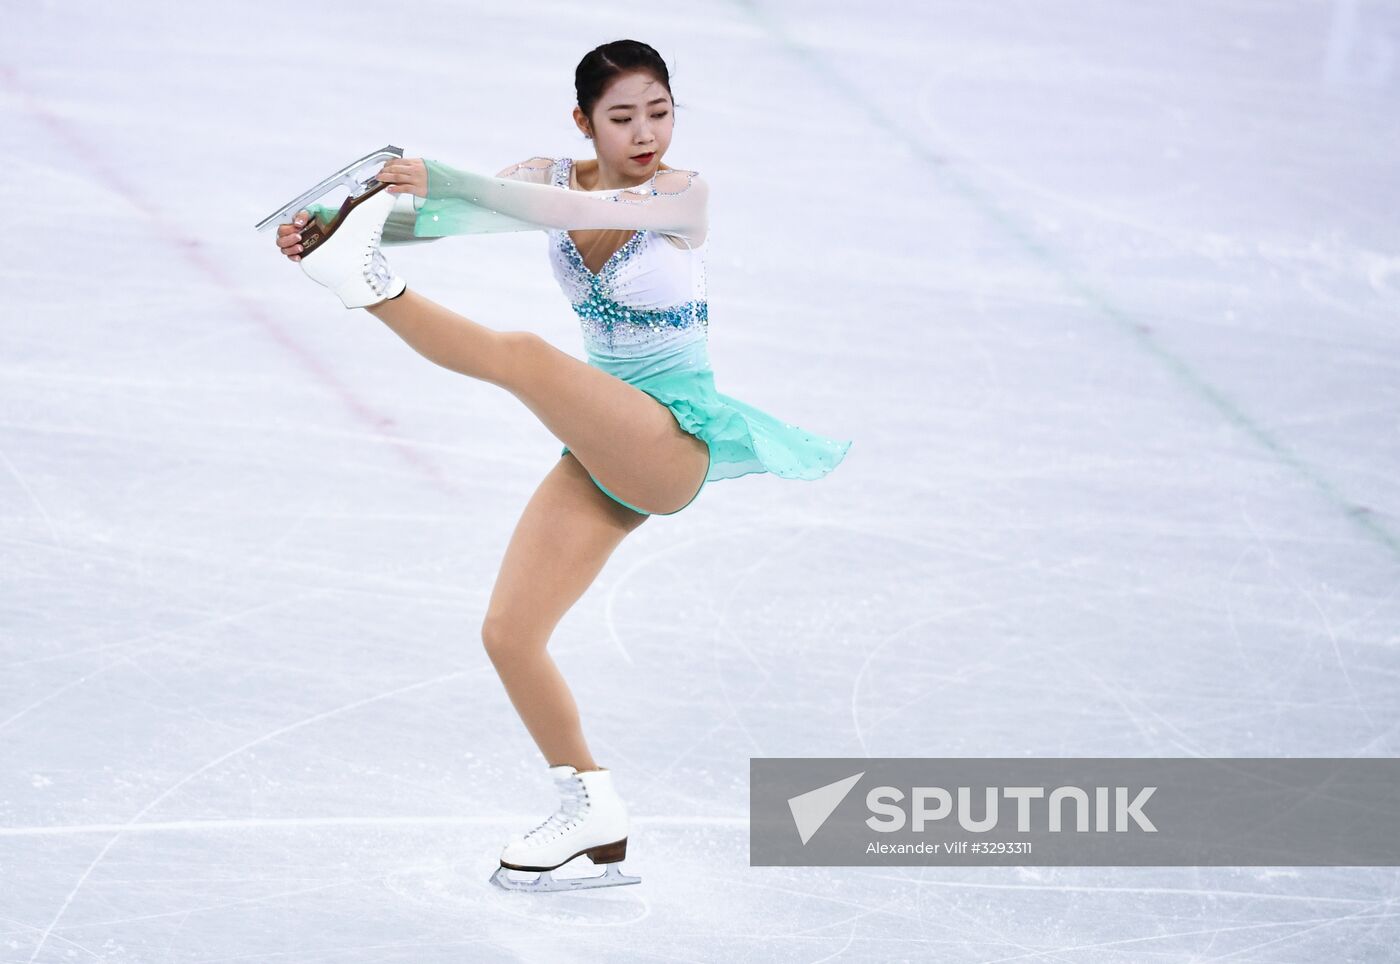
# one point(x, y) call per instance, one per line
point(1105, 294)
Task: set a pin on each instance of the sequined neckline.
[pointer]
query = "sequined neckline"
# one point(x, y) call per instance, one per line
point(620, 254)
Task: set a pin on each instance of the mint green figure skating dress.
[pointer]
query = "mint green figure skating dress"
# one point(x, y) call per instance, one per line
point(644, 314)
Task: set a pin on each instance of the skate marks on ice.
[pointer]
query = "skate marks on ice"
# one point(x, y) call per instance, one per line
point(1057, 635)
point(1078, 284)
point(135, 821)
point(780, 538)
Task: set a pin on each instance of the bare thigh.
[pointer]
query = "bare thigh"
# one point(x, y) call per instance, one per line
point(565, 535)
point(631, 443)
point(627, 439)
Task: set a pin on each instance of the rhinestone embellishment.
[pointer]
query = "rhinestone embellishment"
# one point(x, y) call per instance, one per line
point(608, 323)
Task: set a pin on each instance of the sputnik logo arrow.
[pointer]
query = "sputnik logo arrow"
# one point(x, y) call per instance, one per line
point(810, 809)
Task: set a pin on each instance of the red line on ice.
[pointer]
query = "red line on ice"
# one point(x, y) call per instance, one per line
point(189, 247)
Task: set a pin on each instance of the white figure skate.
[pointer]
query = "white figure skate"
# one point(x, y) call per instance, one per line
point(591, 822)
point(344, 255)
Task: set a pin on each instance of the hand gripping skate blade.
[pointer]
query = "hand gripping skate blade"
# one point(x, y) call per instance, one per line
point(345, 176)
point(547, 883)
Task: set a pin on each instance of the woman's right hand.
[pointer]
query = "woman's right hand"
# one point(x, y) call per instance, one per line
point(289, 235)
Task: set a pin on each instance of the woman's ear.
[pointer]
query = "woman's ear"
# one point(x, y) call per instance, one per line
point(581, 121)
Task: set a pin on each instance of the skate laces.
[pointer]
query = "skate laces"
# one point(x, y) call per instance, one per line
point(378, 271)
point(574, 794)
point(375, 266)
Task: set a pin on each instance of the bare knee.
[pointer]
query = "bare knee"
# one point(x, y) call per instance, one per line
point(497, 640)
point(506, 642)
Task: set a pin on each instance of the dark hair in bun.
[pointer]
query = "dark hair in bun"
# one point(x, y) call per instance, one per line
point(601, 64)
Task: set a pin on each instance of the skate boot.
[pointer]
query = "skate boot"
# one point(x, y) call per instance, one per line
point(591, 822)
point(344, 255)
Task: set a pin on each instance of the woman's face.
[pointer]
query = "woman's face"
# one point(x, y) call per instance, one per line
point(633, 117)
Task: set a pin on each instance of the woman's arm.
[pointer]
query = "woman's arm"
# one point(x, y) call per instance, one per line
point(399, 228)
point(463, 202)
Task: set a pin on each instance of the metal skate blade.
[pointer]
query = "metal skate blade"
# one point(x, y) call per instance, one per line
point(348, 176)
point(547, 883)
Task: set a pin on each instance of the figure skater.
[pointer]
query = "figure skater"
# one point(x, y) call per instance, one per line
point(643, 425)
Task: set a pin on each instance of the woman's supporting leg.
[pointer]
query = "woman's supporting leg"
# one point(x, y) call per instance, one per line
point(565, 535)
point(627, 439)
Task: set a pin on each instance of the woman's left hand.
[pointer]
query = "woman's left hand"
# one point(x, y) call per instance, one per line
point(407, 175)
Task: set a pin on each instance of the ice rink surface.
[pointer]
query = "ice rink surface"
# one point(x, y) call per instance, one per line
point(1105, 294)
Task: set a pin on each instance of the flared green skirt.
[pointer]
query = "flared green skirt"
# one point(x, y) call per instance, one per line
point(742, 439)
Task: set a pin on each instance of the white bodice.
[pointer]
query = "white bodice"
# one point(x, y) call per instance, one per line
point(648, 298)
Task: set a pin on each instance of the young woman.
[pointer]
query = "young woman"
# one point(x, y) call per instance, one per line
point(643, 425)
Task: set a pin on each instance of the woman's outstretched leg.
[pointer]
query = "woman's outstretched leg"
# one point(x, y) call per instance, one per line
point(628, 440)
point(449, 339)
point(565, 535)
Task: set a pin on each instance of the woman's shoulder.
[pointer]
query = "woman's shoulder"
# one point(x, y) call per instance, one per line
point(537, 168)
point(674, 180)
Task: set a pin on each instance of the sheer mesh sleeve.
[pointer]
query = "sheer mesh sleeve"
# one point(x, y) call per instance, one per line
point(463, 202)
point(399, 228)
